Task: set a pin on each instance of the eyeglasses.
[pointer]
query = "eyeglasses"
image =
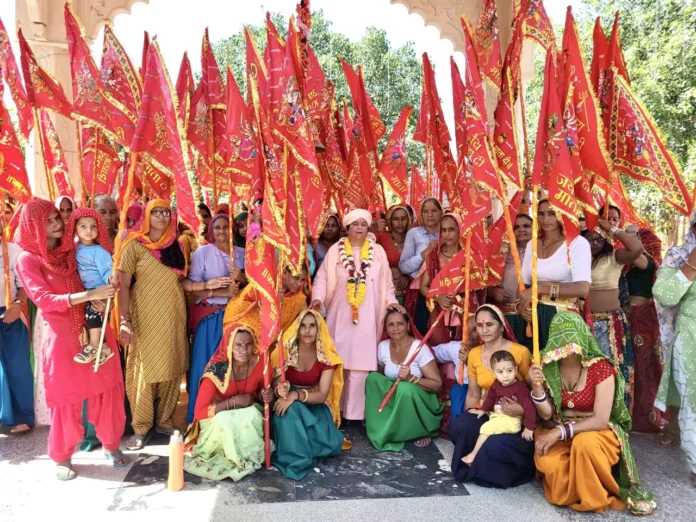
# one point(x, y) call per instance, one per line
point(595, 239)
point(161, 213)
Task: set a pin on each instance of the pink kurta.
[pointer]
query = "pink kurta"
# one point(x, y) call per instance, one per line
point(66, 381)
point(356, 344)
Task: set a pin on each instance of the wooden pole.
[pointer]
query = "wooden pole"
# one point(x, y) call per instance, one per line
point(379, 179)
point(47, 172)
point(95, 169)
point(117, 246)
point(5, 254)
point(465, 315)
point(80, 170)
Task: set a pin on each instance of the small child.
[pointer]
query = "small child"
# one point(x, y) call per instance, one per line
point(506, 385)
point(94, 265)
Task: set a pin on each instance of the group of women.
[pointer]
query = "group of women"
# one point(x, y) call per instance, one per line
point(353, 333)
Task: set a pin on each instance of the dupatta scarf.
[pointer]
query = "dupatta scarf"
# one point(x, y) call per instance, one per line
point(31, 237)
point(570, 335)
point(326, 354)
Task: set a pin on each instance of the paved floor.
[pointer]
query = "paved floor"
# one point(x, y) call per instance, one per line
point(28, 491)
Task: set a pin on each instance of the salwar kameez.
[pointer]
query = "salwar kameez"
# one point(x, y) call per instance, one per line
point(410, 414)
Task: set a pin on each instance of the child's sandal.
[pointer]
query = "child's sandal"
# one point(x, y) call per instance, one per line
point(87, 355)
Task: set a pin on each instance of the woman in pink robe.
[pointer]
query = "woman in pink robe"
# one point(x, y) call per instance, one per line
point(355, 333)
point(48, 271)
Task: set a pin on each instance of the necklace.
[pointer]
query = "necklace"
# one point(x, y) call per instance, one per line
point(545, 248)
point(234, 378)
point(570, 390)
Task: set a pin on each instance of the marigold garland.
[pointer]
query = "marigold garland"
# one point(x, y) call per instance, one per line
point(356, 288)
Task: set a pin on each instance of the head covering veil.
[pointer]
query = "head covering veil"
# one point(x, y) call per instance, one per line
point(570, 335)
point(326, 354)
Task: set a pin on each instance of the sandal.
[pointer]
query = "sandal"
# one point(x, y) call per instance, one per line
point(669, 438)
point(137, 442)
point(65, 473)
point(117, 458)
point(105, 356)
point(165, 431)
point(423, 442)
point(20, 429)
point(86, 355)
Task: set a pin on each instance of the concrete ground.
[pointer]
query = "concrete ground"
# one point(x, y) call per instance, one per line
point(28, 490)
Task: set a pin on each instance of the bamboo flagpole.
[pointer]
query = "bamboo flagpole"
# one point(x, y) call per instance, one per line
point(391, 391)
point(535, 237)
point(117, 248)
point(49, 181)
point(95, 167)
point(465, 315)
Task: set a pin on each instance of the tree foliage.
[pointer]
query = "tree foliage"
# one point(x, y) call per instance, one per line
point(392, 75)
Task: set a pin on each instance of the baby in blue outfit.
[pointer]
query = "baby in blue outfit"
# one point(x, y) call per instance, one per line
point(94, 265)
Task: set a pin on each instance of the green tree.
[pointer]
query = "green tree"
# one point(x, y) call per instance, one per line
point(392, 75)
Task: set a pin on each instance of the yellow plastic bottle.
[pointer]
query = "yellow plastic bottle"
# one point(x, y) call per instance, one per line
point(176, 462)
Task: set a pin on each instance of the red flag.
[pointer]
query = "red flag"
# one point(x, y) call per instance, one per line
point(207, 123)
point(91, 100)
point(159, 134)
point(347, 130)
point(261, 270)
point(479, 155)
point(367, 124)
point(592, 147)
point(417, 191)
point(157, 183)
point(434, 131)
point(552, 163)
point(274, 58)
point(536, 24)
point(118, 74)
point(55, 158)
point(100, 159)
point(615, 57)
point(241, 135)
point(184, 89)
point(487, 45)
point(256, 69)
point(505, 134)
point(600, 53)
point(394, 166)
point(10, 73)
point(636, 148)
point(620, 199)
point(42, 90)
point(13, 171)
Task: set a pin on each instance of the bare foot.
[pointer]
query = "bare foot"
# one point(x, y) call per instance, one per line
point(468, 459)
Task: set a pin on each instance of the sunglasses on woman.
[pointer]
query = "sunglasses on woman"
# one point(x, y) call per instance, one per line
point(161, 213)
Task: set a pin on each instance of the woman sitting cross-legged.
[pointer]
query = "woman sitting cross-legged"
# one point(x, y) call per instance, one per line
point(505, 460)
point(585, 460)
point(226, 439)
point(414, 412)
point(307, 412)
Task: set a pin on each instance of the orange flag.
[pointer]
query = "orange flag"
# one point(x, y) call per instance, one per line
point(55, 158)
point(552, 163)
point(119, 76)
point(10, 73)
point(159, 134)
point(487, 45)
point(91, 100)
point(42, 90)
point(636, 148)
point(13, 171)
point(394, 165)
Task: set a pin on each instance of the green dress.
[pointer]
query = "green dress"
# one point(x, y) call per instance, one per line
point(410, 414)
point(304, 434)
point(229, 445)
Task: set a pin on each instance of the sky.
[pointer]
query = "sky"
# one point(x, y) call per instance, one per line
point(179, 27)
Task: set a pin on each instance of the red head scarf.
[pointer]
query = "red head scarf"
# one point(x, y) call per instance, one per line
point(135, 212)
point(83, 212)
point(652, 244)
point(31, 237)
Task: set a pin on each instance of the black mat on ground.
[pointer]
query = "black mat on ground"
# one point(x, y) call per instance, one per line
point(360, 473)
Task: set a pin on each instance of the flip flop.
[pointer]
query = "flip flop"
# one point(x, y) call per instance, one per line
point(137, 442)
point(20, 429)
point(117, 458)
point(65, 473)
